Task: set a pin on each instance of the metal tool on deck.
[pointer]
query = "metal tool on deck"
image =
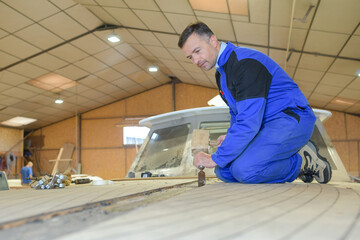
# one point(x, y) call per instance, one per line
point(200, 143)
point(201, 176)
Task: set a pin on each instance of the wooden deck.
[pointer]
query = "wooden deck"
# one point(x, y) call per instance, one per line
point(237, 211)
point(23, 203)
point(215, 211)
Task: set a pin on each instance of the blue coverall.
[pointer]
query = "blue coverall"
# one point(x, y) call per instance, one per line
point(25, 173)
point(270, 119)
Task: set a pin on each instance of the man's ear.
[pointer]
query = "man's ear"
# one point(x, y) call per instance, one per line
point(213, 41)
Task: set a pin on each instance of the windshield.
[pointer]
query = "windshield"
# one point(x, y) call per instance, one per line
point(165, 148)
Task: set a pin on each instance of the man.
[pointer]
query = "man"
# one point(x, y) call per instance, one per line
point(26, 172)
point(271, 119)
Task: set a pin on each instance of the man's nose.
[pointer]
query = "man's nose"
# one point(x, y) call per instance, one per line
point(195, 60)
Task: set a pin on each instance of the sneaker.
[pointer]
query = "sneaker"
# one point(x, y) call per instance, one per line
point(305, 178)
point(315, 166)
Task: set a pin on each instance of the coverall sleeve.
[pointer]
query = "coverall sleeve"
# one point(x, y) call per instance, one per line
point(252, 82)
point(232, 117)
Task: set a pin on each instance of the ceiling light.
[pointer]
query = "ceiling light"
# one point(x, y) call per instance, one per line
point(112, 37)
point(343, 101)
point(239, 7)
point(357, 73)
point(59, 100)
point(52, 82)
point(18, 121)
point(153, 68)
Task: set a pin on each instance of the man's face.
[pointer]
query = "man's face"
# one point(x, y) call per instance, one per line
point(201, 51)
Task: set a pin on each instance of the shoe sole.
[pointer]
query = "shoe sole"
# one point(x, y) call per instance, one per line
point(327, 172)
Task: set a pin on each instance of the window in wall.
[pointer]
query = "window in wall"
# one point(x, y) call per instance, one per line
point(135, 135)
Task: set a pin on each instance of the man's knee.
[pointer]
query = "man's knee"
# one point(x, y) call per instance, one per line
point(244, 173)
point(224, 174)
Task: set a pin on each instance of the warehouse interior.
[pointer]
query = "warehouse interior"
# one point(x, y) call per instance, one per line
point(59, 50)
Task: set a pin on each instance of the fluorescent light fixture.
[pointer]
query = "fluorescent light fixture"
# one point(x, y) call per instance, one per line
point(52, 82)
point(238, 7)
point(112, 37)
point(216, 101)
point(357, 73)
point(153, 68)
point(18, 121)
point(343, 101)
point(59, 101)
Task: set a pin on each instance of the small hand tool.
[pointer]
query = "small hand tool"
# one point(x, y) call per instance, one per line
point(201, 176)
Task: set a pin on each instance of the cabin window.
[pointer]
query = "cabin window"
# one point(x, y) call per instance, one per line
point(165, 148)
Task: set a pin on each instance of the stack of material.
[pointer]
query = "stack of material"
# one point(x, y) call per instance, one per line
point(50, 182)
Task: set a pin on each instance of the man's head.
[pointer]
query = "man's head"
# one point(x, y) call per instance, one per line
point(29, 164)
point(200, 45)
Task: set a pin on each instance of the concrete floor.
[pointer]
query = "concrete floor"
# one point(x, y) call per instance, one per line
point(224, 211)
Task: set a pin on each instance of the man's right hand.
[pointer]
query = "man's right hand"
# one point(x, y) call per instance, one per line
point(220, 140)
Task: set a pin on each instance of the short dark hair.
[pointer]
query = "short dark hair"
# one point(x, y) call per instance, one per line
point(199, 28)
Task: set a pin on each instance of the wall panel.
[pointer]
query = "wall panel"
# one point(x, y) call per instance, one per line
point(353, 127)
point(152, 102)
point(191, 96)
point(101, 133)
point(130, 156)
point(59, 133)
point(45, 165)
point(342, 148)
point(116, 109)
point(105, 163)
point(335, 126)
point(344, 131)
point(354, 158)
point(11, 138)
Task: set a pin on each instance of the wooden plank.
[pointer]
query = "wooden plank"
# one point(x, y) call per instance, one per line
point(60, 160)
point(56, 166)
point(200, 141)
point(64, 158)
point(158, 178)
point(241, 211)
point(24, 203)
point(49, 215)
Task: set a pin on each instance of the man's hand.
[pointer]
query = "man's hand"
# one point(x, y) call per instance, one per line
point(220, 140)
point(203, 159)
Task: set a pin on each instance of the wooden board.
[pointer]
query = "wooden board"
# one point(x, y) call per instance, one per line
point(63, 160)
point(200, 141)
point(242, 211)
point(22, 203)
